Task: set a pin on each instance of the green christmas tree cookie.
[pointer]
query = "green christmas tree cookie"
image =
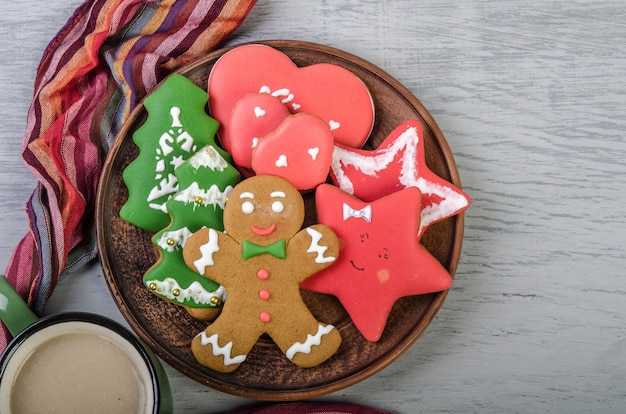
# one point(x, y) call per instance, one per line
point(176, 127)
point(205, 180)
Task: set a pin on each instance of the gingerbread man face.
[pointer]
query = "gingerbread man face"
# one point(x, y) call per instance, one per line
point(263, 214)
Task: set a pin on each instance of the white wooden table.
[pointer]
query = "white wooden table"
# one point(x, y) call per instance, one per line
point(531, 96)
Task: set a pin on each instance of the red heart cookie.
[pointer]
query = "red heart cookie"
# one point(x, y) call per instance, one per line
point(329, 91)
point(253, 116)
point(299, 150)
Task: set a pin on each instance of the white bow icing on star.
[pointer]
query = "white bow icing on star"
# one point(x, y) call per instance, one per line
point(365, 213)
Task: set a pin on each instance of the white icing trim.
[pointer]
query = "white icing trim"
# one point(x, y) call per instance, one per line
point(194, 291)
point(315, 247)
point(179, 236)
point(278, 93)
point(451, 203)
point(160, 207)
point(187, 141)
point(166, 187)
point(311, 340)
point(208, 157)
point(213, 196)
point(160, 167)
point(164, 143)
point(224, 351)
point(207, 250)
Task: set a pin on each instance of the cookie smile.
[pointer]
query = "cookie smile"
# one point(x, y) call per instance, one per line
point(356, 267)
point(263, 231)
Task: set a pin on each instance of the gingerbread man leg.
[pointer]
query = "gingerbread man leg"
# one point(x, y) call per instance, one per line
point(308, 343)
point(219, 347)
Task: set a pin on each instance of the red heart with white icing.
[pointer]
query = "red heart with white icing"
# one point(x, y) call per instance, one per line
point(329, 91)
point(253, 116)
point(299, 150)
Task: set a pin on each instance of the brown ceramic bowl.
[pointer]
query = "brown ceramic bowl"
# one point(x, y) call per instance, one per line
point(126, 252)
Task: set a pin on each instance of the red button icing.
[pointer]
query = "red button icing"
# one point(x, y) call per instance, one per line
point(264, 294)
point(265, 317)
point(262, 274)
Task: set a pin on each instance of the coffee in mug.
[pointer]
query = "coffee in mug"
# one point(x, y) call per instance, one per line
point(76, 366)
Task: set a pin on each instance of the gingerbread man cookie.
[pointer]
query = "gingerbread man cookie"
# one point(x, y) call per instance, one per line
point(261, 259)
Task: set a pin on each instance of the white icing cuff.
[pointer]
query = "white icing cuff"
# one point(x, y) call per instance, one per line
point(311, 340)
point(224, 351)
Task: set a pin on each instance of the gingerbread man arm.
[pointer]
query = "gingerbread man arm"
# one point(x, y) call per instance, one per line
point(316, 247)
point(205, 251)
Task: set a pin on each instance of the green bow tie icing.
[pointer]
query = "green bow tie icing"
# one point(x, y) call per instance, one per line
point(277, 249)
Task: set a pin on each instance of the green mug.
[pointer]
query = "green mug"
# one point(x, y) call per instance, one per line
point(76, 362)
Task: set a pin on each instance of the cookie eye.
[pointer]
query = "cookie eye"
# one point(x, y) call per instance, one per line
point(247, 207)
point(278, 206)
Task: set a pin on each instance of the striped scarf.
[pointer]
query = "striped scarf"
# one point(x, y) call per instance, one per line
point(107, 57)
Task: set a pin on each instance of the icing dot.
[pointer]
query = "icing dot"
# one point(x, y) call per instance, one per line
point(262, 274)
point(265, 317)
point(264, 294)
point(278, 206)
point(247, 207)
point(281, 161)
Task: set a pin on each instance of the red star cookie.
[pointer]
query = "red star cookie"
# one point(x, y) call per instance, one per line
point(381, 259)
point(396, 164)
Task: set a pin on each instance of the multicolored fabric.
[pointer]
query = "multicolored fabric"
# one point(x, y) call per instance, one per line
point(107, 57)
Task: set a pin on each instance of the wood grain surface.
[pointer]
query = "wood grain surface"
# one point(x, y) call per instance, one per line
point(531, 97)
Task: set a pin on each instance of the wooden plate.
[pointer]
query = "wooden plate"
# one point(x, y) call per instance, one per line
point(126, 252)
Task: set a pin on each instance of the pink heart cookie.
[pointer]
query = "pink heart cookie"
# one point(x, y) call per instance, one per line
point(253, 116)
point(299, 150)
point(329, 91)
